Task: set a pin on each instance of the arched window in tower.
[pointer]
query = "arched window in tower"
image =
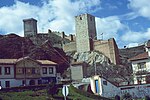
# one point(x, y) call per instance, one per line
point(80, 18)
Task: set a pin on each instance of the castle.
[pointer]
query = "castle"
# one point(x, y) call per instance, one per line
point(85, 39)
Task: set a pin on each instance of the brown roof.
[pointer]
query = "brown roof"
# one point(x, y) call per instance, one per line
point(13, 61)
point(77, 63)
point(140, 56)
point(8, 61)
point(148, 46)
point(47, 62)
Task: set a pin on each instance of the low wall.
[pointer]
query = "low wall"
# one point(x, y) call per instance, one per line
point(136, 91)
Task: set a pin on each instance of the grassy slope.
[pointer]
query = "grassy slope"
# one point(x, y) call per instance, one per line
point(74, 94)
point(26, 95)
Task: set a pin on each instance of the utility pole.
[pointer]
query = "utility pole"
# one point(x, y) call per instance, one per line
point(102, 36)
point(95, 65)
point(24, 68)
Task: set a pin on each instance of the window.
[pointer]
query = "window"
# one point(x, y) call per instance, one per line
point(44, 70)
point(50, 70)
point(20, 70)
point(7, 83)
point(28, 70)
point(33, 70)
point(37, 71)
point(0, 70)
point(7, 70)
point(91, 18)
point(141, 65)
point(80, 18)
point(141, 80)
point(147, 79)
point(39, 81)
point(23, 82)
point(105, 82)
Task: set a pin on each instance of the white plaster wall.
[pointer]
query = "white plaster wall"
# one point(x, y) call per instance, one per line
point(135, 68)
point(13, 82)
point(16, 83)
point(11, 75)
point(109, 90)
point(92, 83)
point(76, 72)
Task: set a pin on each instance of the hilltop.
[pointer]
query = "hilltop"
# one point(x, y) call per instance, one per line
point(13, 46)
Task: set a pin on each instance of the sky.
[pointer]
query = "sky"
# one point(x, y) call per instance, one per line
point(128, 21)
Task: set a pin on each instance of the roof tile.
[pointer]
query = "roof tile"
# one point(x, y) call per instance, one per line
point(140, 56)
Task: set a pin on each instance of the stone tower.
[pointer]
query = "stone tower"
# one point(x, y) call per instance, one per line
point(85, 32)
point(30, 27)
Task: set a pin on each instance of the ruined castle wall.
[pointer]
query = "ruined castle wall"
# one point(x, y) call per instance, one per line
point(108, 48)
point(115, 53)
point(102, 47)
point(69, 47)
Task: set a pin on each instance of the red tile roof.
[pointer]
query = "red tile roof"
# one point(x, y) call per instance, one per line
point(13, 61)
point(140, 56)
point(77, 63)
point(148, 46)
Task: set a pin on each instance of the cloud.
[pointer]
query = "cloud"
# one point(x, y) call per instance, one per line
point(131, 36)
point(111, 7)
point(56, 15)
point(129, 16)
point(141, 7)
point(66, 10)
point(136, 37)
point(11, 17)
point(132, 45)
point(109, 26)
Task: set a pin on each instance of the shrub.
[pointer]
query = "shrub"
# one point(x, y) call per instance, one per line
point(127, 96)
point(88, 94)
point(1, 98)
point(52, 89)
point(147, 98)
point(117, 97)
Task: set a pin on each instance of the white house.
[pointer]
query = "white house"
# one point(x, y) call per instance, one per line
point(26, 71)
point(101, 86)
point(141, 66)
point(7, 73)
point(48, 71)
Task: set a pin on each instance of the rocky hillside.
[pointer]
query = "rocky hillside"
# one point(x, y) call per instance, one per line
point(14, 46)
point(114, 73)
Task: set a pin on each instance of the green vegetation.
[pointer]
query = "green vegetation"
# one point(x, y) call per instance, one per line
point(77, 94)
point(26, 95)
point(74, 94)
